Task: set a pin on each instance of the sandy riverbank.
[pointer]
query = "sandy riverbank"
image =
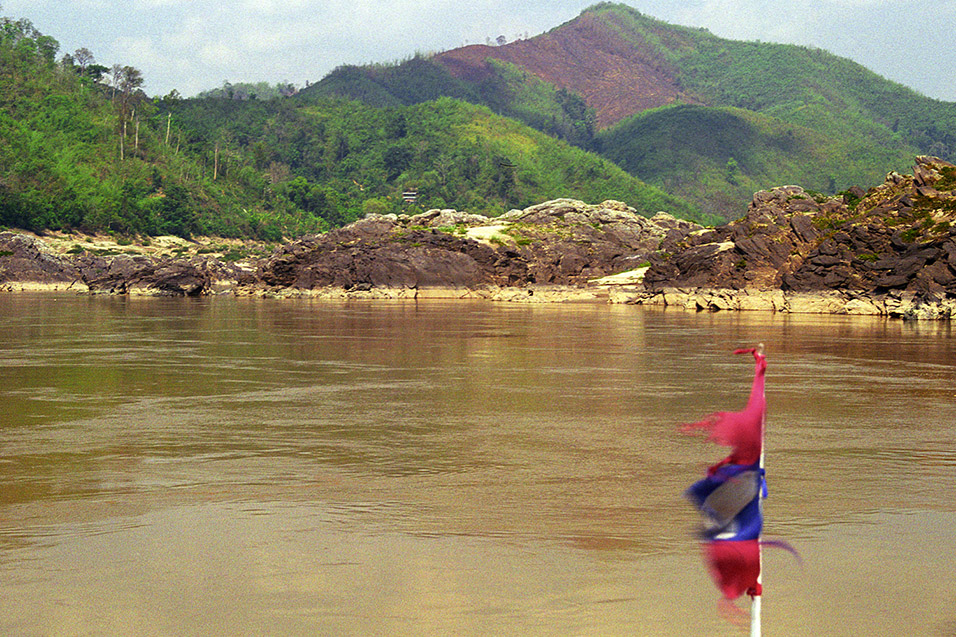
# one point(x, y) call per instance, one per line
point(62, 243)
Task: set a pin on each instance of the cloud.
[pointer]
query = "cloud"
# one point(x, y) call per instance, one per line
point(276, 7)
point(220, 54)
point(751, 20)
point(192, 45)
point(154, 4)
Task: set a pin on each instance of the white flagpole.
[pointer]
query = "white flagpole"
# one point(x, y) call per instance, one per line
point(755, 601)
point(755, 605)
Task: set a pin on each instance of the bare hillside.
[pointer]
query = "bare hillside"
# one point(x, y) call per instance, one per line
point(585, 56)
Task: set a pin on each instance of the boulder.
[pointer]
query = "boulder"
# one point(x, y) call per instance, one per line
point(898, 236)
point(27, 262)
point(143, 275)
point(563, 242)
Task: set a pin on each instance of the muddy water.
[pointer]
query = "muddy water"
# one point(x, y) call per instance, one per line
point(224, 466)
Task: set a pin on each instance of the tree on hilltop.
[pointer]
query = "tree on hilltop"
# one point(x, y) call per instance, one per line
point(125, 80)
point(83, 57)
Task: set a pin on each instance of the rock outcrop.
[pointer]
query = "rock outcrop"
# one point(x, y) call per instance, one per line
point(890, 250)
point(28, 263)
point(557, 243)
point(124, 274)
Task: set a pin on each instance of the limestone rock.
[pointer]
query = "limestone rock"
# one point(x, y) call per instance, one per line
point(28, 262)
point(563, 242)
point(898, 236)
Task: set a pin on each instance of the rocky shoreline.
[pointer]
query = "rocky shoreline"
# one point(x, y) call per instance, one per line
point(887, 251)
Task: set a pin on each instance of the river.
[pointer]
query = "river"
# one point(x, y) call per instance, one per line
point(252, 466)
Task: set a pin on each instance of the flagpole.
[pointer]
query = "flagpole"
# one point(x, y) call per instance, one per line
point(730, 497)
point(755, 604)
point(755, 600)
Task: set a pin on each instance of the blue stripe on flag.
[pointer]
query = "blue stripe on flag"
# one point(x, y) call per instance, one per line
point(729, 500)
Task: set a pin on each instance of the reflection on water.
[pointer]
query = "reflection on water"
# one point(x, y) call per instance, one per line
point(248, 466)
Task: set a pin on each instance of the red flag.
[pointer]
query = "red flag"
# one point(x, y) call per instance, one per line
point(740, 430)
point(735, 566)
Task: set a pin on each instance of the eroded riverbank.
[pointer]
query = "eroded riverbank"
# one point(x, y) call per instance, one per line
point(887, 251)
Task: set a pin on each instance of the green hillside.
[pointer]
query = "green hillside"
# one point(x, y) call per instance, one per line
point(799, 85)
point(387, 85)
point(508, 90)
point(76, 153)
point(785, 114)
point(719, 156)
point(341, 159)
point(782, 113)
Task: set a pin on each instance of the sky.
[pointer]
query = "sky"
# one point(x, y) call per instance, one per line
point(196, 45)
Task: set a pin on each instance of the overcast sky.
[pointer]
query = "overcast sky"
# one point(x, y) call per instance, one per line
point(193, 45)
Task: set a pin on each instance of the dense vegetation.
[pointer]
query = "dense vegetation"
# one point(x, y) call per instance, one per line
point(796, 115)
point(755, 115)
point(250, 91)
point(508, 90)
point(340, 159)
point(80, 153)
point(388, 85)
point(726, 154)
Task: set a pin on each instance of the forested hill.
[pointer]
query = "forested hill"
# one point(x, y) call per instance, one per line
point(341, 159)
point(81, 147)
point(611, 105)
point(704, 117)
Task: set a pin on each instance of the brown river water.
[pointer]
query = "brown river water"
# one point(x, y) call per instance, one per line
point(250, 466)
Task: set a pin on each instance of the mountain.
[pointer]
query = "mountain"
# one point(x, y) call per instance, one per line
point(611, 105)
point(617, 72)
point(86, 150)
point(756, 114)
point(341, 159)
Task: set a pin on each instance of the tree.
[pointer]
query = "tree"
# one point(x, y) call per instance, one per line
point(733, 171)
point(127, 80)
point(177, 213)
point(396, 126)
point(115, 75)
point(95, 72)
point(47, 47)
point(130, 79)
point(396, 160)
point(83, 57)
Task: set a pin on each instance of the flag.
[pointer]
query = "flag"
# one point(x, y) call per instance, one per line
point(735, 566)
point(729, 499)
point(729, 496)
point(740, 430)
